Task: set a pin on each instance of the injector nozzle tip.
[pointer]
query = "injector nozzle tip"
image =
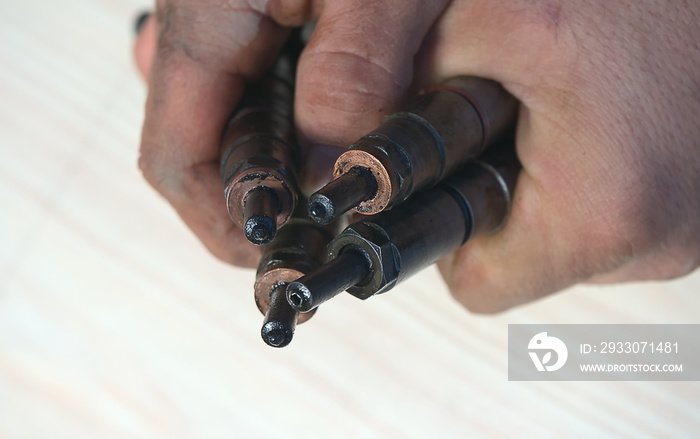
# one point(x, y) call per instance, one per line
point(260, 229)
point(276, 334)
point(321, 209)
point(346, 192)
point(299, 297)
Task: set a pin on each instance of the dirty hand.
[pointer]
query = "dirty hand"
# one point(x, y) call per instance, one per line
point(607, 132)
point(197, 56)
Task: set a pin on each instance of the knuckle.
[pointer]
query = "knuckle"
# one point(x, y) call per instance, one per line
point(146, 166)
point(206, 34)
point(478, 286)
point(154, 168)
point(180, 34)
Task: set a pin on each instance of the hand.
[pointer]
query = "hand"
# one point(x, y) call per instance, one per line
point(197, 56)
point(606, 133)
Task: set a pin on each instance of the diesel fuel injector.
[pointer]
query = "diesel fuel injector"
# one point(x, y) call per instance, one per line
point(299, 247)
point(260, 156)
point(416, 148)
point(372, 256)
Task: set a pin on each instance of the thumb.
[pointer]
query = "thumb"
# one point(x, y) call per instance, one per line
point(357, 65)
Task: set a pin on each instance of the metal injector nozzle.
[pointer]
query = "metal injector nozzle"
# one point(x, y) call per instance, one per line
point(260, 156)
point(299, 247)
point(372, 256)
point(417, 148)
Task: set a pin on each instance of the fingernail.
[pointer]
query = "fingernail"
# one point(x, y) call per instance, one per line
point(140, 21)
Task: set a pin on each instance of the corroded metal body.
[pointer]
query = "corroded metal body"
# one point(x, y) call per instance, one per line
point(259, 151)
point(419, 147)
point(398, 243)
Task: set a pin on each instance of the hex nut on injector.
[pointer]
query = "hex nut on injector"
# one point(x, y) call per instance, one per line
point(373, 242)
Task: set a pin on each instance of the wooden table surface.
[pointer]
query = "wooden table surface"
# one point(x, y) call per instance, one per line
point(116, 323)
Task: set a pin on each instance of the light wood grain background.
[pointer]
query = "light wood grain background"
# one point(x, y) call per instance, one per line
point(116, 323)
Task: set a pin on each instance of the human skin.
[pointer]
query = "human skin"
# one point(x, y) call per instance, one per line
point(607, 132)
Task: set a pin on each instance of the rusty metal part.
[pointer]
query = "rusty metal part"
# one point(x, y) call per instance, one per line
point(419, 147)
point(372, 256)
point(259, 150)
point(299, 247)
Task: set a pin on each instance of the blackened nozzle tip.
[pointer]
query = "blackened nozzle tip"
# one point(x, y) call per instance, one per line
point(299, 297)
point(342, 194)
point(276, 334)
point(348, 269)
point(260, 229)
point(261, 206)
point(321, 209)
